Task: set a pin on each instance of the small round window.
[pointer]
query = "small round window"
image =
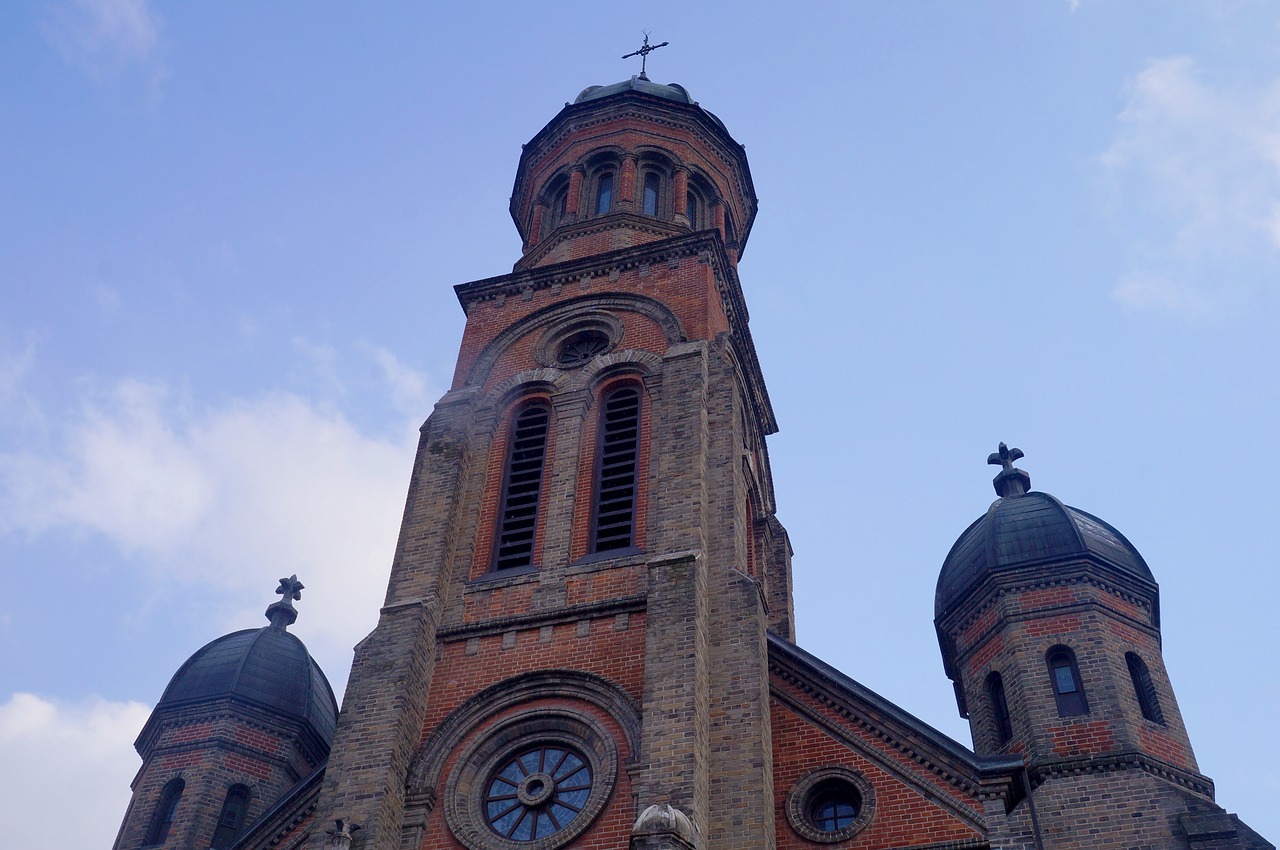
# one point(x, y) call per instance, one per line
point(581, 346)
point(830, 805)
point(537, 793)
point(834, 807)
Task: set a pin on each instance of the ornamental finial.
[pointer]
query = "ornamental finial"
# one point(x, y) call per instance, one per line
point(1010, 482)
point(644, 52)
point(282, 614)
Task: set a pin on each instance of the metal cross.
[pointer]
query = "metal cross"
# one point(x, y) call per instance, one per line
point(643, 53)
point(1005, 457)
point(290, 588)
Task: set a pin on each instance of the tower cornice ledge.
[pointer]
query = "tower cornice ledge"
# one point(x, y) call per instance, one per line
point(707, 245)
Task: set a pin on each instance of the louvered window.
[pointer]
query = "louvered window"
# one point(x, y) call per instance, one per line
point(1144, 688)
point(617, 470)
point(518, 515)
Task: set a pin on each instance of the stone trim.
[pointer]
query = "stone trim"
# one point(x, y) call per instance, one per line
point(424, 770)
point(464, 791)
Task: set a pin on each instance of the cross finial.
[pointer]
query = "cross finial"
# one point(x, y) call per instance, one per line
point(644, 52)
point(1010, 481)
point(282, 613)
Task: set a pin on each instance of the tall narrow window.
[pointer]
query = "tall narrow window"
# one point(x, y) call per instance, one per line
point(522, 489)
point(231, 821)
point(604, 193)
point(651, 194)
point(165, 811)
point(1144, 688)
point(1065, 678)
point(691, 210)
point(617, 471)
point(999, 708)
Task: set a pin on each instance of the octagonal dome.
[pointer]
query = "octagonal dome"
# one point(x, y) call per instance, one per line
point(268, 667)
point(1030, 529)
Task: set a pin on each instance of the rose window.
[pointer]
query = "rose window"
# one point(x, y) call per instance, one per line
point(537, 793)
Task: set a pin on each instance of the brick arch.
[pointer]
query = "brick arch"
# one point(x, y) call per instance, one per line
point(627, 361)
point(643, 305)
point(429, 761)
point(529, 382)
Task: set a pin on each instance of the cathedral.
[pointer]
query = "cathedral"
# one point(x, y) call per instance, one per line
point(588, 635)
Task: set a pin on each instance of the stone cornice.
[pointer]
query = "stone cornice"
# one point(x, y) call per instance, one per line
point(989, 591)
point(520, 622)
point(1132, 760)
point(979, 777)
point(222, 709)
point(588, 227)
point(706, 245)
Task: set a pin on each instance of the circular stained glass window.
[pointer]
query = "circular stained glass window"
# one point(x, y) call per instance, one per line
point(537, 792)
point(581, 346)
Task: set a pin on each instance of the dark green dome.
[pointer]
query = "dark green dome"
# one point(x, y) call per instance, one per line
point(1029, 529)
point(268, 667)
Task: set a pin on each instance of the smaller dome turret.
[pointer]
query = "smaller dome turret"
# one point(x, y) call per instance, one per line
point(242, 719)
point(1023, 528)
point(268, 667)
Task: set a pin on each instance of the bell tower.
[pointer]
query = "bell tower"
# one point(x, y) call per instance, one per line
point(573, 646)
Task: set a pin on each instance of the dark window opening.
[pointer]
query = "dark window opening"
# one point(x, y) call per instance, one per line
point(522, 491)
point(231, 821)
point(834, 806)
point(691, 210)
point(651, 194)
point(1064, 675)
point(604, 194)
point(617, 465)
point(162, 820)
point(999, 708)
point(1144, 688)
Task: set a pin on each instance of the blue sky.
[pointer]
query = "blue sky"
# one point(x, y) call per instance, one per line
point(228, 237)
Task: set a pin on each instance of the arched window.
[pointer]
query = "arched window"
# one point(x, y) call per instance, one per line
point(162, 818)
point(691, 210)
point(1144, 688)
point(651, 184)
point(617, 470)
point(231, 821)
point(522, 487)
point(604, 193)
point(1064, 675)
point(999, 708)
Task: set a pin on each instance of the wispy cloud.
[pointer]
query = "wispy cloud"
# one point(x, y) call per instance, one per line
point(229, 498)
point(102, 37)
point(1194, 177)
point(67, 751)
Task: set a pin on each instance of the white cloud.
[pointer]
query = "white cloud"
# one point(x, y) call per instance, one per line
point(1195, 173)
point(408, 388)
point(103, 36)
point(230, 498)
point(55, 752)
